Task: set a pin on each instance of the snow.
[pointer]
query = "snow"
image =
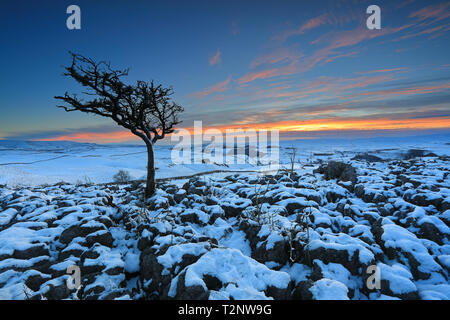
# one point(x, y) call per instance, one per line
point(202, 216)
point(107, 257)
point(13, 292)
point(328, 289)
point(337, 272)
point(232, 267)
point(345, 243)
point(236, 240)
point(132, 262)
point(272, 239)
point(298, 272)
point(7, 215)
point(434, 291)
point(445, 260)
point(398, 276)
point(32, 163)
point(403, 240)
point(20, 238)
point(412, 261)
point(175, 254)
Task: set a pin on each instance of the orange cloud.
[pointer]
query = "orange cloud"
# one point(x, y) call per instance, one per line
point(365, 124)
point(342, 124)
point(286, 126)
point(104, 137)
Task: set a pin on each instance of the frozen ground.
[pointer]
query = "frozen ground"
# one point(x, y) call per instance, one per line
point(311, 234)
point(36, 163)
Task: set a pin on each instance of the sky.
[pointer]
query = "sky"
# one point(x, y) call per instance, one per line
point(306, 68)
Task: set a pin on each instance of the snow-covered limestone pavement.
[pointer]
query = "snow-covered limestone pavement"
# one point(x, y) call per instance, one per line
point(313, 234)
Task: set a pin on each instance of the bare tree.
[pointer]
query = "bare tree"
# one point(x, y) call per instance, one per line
point(292, 157)
point(145, 109)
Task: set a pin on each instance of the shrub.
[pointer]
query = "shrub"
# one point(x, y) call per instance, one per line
point(122, 176)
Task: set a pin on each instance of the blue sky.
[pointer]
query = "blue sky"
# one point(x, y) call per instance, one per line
point(299, 66)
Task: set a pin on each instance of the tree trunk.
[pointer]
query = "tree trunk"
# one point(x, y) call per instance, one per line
point(150, 188)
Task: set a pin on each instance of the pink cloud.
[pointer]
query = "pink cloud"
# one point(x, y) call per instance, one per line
point(382, 70)
point(435, 31)
point(437, 12)
point(326, 18)
point(407, 91)
point(216, 58)
point(349, 38)
point(278, 56)
point(219, 87)
point(308, 25)
point(299, 64)
point(269, 73)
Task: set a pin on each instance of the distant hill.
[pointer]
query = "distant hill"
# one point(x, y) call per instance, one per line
point(54, 146)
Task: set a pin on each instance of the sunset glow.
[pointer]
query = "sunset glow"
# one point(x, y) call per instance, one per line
point(287, 126)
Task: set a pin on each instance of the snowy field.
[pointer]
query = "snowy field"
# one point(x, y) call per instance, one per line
point(37, 163)
point(313, 233)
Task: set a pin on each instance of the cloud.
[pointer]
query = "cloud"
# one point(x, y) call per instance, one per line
point(274, 72)
point(341, 39)
point(298, 63)
point(219, 87)
point(407, 91)
point(338, 56)
point(436, 12)
point(46, 133)
point(382, 70)
point(104, 137)
point(216, 58)
point(426, 17)
point(434, 31)
point(382, 122)
point(235, 30)
point(281, 55)
point(308, 25)
point(329, 18)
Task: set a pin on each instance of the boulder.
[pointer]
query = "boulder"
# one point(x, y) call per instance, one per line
point(194, 216)
point(338, 170)
point(367, 157)
point(75, 231)
point(102, 237)
point(31, 252)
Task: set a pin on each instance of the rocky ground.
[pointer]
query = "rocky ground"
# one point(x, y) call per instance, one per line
point(311, 234)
